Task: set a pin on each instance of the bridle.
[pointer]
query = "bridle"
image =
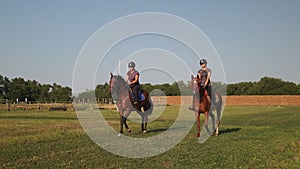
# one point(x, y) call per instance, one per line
point(195, 85)
point(116, 89)
point(110, 84)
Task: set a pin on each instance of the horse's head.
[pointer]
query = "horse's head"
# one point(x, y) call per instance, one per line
point(117, 85)
point(195, 84)
point(113, 84)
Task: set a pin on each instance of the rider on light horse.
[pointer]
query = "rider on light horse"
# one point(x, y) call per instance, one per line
point(204, 75)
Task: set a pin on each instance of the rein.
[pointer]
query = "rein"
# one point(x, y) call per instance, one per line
point(195, 82)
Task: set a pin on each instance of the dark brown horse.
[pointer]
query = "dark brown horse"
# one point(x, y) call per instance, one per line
point(121, 95)
point(205, 105)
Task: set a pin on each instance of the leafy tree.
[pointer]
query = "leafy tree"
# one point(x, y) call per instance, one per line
point(219, 86)
point(184, 88)
point(269, 86)
point(60, 94)
point(33, 90)
point(87, 95)
point(231, 89)
point(101, 91)
point(165, 88)
point(265, 86)
point(17, 89)
point(174, 89)
point(147, 87)
point(290, 88)
point(4, 87)
point(45, 93)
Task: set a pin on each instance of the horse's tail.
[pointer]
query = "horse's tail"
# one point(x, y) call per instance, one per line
point(148, 106)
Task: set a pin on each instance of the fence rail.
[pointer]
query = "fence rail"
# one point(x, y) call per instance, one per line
point(157, 101)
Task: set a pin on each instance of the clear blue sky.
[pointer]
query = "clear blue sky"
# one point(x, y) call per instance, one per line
point(41, 40)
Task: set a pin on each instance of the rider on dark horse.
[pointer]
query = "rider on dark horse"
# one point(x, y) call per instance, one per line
point(132, 78)
point(204, 75)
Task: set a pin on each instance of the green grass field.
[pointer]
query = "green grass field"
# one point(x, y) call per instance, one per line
point(251, 137)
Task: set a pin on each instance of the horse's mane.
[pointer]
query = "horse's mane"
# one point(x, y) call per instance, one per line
point(120, 79)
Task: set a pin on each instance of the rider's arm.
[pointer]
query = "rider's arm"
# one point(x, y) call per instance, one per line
point(126, 80)
point(198, 75)
point(208, 78)
point(135, 79)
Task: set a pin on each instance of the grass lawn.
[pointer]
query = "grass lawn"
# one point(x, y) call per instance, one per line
point(251, 137)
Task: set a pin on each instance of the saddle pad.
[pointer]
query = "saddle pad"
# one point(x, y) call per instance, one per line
point(141, 96)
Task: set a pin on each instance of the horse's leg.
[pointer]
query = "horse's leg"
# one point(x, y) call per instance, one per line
point(206, 122)
point(217, 129)
point(218, 108)
point(125, 119)
point(197, 115)
point(212, 116)
point(146, 121)
point(148, 108)
point(143, 122)
point(121, 122)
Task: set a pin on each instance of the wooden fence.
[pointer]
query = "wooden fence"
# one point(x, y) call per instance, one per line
point(280, 100)
point(277, 100)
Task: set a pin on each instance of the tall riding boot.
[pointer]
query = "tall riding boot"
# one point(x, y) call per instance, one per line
point(200, 95)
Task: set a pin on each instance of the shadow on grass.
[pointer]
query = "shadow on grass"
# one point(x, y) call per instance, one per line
point(229, 130)
point(157, 130)
point(163, 129)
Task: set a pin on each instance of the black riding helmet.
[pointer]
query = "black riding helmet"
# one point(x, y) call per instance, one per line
point(131, 64)
point(203, 61)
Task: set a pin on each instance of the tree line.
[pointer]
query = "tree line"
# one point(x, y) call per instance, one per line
point(265, 86)
point(175, 89)
point(19, 89)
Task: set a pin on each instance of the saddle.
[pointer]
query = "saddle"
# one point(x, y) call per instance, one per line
point(140, 96)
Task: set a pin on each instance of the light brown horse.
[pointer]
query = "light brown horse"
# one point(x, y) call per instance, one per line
point(199, 107)
point(121, 95)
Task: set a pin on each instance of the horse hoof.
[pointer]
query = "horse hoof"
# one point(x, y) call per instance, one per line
point(144, 131)
point(120, 134)
point(191, 108)
point(216, 133)
point(198, 135)
point(128, 130)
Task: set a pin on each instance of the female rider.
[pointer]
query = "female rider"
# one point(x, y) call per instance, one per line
point(132, 78)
